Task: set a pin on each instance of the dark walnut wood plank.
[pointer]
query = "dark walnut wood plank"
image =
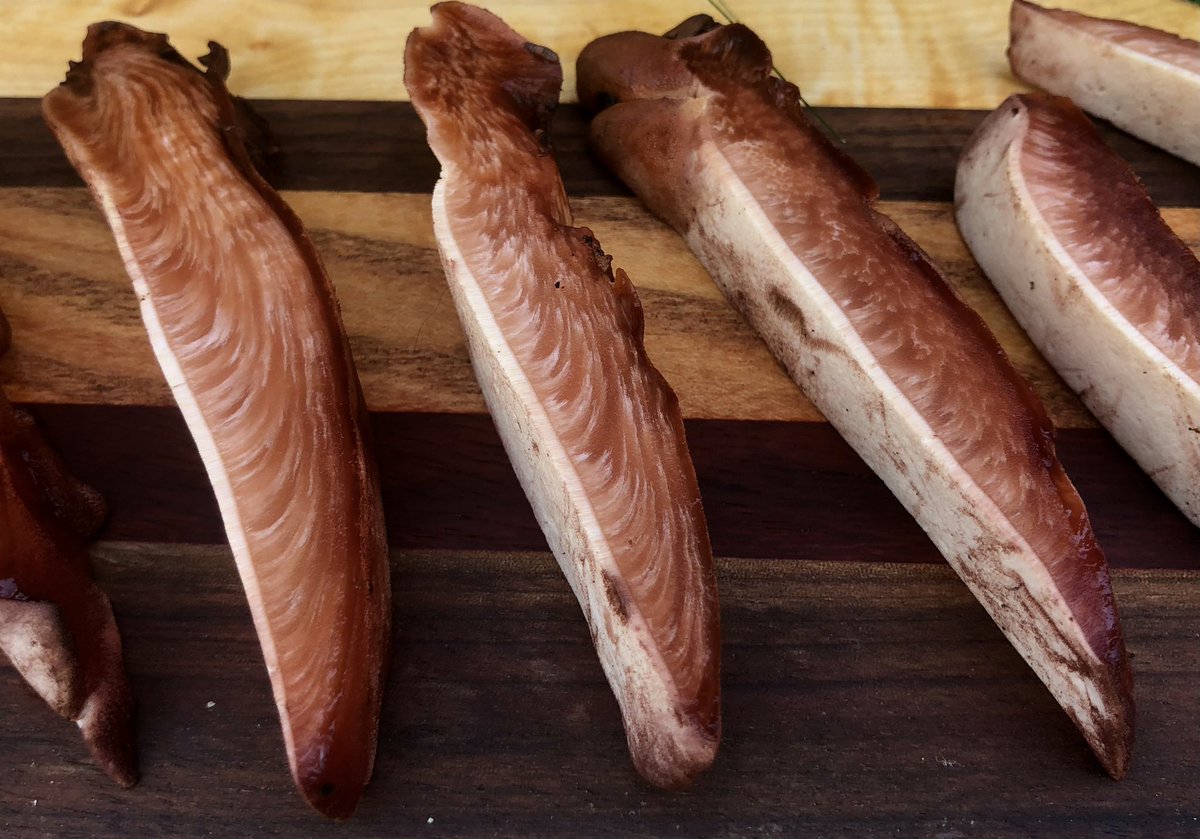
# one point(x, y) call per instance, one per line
point(785, 490)
point(380, 147)
point(858, 701)
point(78, 337)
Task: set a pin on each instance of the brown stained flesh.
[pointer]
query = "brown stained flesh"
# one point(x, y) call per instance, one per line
point(49, 605)
point(1103, 217)
point(662, 100)
point(576, 328)
point(236, 297)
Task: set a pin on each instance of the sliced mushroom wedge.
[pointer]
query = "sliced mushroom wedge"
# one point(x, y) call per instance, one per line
point(1108, 293)
point(56, 625)
point(593, 431)
point(1143, 80)
point(245, 325)
point(873, 333)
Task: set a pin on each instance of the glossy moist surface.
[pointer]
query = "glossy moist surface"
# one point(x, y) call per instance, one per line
point(1103, 218)
point(707, 87)
point(46, 520)
point(1164, 46)
point(575, 329)
point(247, 329)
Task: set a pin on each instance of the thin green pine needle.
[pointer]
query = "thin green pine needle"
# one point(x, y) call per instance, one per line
point(727, 13)
point(724, 11)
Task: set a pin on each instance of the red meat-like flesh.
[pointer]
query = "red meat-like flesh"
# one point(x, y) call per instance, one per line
point(246, 327)
point(56, 625)
point(867, 325)
point(593, 430)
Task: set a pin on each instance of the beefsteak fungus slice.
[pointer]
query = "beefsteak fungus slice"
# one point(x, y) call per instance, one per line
point(56, 625)
point(1143, 80)
point(873, 333)
point(247, 330)
point(593, 430)
point(1107, 292)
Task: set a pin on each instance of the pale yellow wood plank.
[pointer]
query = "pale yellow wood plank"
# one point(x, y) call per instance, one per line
point(878, 53)
point(77, 335)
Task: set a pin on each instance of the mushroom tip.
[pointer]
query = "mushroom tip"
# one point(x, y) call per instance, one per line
point(1117, 764)
point(106, 724)
point(121, 765)
point(693, 26)
point(109, 33)
point(1113, 743)
point(673, 761)
point(107, 29)
point(333, 799)
point(1115, 752)
point(216, 61)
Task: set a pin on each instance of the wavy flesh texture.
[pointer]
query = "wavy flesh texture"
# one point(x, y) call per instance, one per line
point(56, 625)
point(1142, 80)
point(593, 431)
point(1084, 260)
point(247, 330)
point(875, 336)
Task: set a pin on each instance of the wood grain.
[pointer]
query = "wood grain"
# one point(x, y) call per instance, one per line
point(859, 701)
point(77, 335)
point(380, 147)
point(771, 489)
point(866, 693)
point(920, 53)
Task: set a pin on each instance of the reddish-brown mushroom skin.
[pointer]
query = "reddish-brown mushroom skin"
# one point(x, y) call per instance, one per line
point(1143, 80)
point(593, 430)
point(246, 326)
point(56, 625)
point(1109, 294)
point(696, 124)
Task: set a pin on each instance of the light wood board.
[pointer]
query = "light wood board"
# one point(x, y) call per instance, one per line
point(871, 53)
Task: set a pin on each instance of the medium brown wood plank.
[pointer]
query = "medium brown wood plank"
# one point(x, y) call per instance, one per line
point(78, 338)
point(858, 701)
point(380, 147)
point(783, 490)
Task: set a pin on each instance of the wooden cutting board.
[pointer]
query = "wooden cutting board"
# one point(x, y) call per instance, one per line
point(866, 693)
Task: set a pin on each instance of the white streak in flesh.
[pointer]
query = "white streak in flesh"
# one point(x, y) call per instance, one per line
point(568, 511)
point(1136, 376)
point(742, 249)
point(1144, 81)
point(195, 301)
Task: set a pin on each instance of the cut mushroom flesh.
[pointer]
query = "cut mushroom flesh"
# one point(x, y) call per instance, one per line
point(593, 431)
point(1104, 288)
point(246, 328)
point(1142, 80)
point(56, 625)
point(875, 336)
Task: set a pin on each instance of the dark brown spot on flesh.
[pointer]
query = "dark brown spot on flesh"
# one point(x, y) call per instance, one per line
point(603, 260)
point(616, 598)
point(787, 309)
point(607, 316)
